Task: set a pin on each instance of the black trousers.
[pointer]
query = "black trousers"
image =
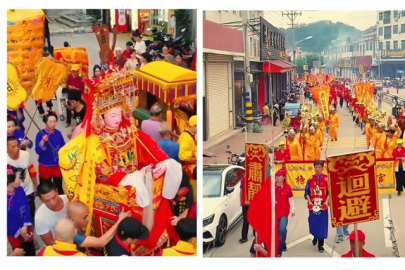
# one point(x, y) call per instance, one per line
point(41, 110)
point(58, 181)
point(320, 242)
point(68, 114)
point(400, 179)
point(341, 102)
point(245, 225)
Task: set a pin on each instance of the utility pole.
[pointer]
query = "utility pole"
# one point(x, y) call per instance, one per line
point(375, 43)
point(292, 15)
point(247, 92)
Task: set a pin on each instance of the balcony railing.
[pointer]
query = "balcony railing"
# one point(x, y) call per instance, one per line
point(387, 21)
point(387, 36)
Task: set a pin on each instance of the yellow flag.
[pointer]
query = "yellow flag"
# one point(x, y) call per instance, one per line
point(16, 93)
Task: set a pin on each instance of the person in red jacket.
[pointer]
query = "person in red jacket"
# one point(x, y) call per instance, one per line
point(399, 155)
point(282, 155)
point(362, 240)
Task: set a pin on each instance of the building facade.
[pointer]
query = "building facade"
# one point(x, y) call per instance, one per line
point(377, 52)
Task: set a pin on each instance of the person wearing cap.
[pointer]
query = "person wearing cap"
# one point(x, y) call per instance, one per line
point(294, 146)
point(282, 155)
point(64, 236)
point(319, 141)
point(129, 231)
point(317, 196)
point(333, 125)
point(379, 141)
point(361, 240)
point(183, 200)
point(399, 155)
point(74, 83)
point(284, 206)
point(369, 130)
point(310, 145)
point(187, 246)
point(393, 134)
point(188, 148)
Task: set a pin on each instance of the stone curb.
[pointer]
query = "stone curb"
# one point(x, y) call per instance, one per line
point(76, 30)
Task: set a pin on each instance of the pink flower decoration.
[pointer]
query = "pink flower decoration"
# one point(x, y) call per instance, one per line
point(9, 171)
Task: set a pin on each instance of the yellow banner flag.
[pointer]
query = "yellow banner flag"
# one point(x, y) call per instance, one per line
point(298, 173)
point(16, 93)
point(385, 173)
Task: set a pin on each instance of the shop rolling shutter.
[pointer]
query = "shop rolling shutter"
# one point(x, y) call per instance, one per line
point(230, 95)
point(218, 88)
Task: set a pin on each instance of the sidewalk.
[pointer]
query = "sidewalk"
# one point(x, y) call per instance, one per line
point(237, 144)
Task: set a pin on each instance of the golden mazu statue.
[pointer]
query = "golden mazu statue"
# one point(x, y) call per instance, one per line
point(113, 165)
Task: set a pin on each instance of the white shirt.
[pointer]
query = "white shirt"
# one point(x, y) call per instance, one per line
point(23, 163)
point(140, 47)
point(45, 219)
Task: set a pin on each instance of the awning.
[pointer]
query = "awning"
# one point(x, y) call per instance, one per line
point(277, 66)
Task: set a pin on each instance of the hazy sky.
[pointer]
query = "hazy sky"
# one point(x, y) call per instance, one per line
point(359, 19)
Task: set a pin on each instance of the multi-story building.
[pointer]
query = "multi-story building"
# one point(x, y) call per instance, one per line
point(391, 42)
point(223, 69)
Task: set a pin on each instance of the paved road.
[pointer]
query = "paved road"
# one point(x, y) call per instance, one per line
point(298, 239)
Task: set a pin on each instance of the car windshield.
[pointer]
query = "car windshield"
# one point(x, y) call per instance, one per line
point(212, 184)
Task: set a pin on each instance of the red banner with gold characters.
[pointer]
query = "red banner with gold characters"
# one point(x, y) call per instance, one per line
point(324, 92)
point(353, 189)
point(256, 170)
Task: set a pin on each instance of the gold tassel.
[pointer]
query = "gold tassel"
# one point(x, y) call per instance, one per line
point(136, 102)
point(169, 116)
point(108, 153)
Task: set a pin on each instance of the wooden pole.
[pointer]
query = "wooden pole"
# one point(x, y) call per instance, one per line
point(356, 243)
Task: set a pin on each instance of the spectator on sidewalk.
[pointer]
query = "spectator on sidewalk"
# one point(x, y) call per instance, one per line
point(266, 115)
point(379, 100)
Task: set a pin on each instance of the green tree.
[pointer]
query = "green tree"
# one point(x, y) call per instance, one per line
point(300, 62)
point(183, 20)
point(96, 14)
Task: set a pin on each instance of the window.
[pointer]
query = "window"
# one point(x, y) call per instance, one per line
point(367, 46)
point(240, 13)
point(380, 46)
point(395, 45)
point(387, 45)
point(251, 47)
point(234, 12)
point(403, 28)
point(403, 13)
point(364, 48)
point(395, 29)
point(233, 177)
point(258, 48)
point(380, 16)
point(380, 31)
point(204, 15)
point(403, 44)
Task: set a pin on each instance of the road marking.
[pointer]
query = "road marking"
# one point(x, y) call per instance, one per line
point(387, 215)
point(310, 237)
point(299, 241)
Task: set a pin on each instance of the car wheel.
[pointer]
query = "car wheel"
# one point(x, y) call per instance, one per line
point(221, 232)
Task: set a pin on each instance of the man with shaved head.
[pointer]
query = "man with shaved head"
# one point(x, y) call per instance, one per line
point(64, 234)
point(78, 213)
point(170, 147)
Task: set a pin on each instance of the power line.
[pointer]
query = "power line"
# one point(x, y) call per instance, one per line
point(292, 16)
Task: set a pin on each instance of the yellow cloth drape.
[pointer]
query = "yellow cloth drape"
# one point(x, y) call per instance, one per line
point(295, 150)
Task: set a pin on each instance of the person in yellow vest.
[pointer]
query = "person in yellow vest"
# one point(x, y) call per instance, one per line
point(322, 127)
point(65, 233)
point(188, 150)
point(310, 145)
point(319, 143)
point(333, 125)
point(187, 246)
point(394, 132)
point(379, 141)
point(369, 129)
point(294, 146)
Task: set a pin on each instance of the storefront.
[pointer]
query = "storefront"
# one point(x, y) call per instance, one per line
point(391, 62)
point(272, 52)
point(218, 77)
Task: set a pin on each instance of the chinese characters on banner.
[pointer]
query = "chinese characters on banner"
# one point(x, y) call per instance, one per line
point(298, 172)
point(103, 38)
point(353, 189)
point(256, 170)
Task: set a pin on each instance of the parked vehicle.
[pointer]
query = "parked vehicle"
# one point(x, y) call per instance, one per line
point(236, 159)
point(241, 120)
point(293, 112)
point(221, 200)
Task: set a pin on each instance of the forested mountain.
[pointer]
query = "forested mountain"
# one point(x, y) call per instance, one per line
point(323, 33)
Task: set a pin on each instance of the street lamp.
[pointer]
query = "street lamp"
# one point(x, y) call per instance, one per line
point(295, 43)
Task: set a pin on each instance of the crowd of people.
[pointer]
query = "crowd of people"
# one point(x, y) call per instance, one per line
point(58, 222)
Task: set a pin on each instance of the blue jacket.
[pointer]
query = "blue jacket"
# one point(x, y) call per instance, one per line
point(18, 122)
point(47, 156)
point(171, 148)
